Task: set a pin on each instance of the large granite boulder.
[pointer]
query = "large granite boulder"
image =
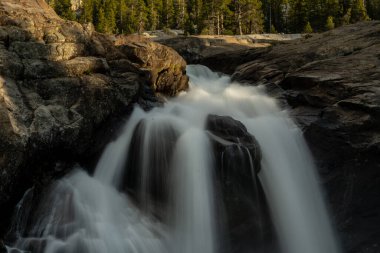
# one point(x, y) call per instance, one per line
point(241, 209)
point(60, 83)
point(164, 65)
point(244, 212)
point(331, 85)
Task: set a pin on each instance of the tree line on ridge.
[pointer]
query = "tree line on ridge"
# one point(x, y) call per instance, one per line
point(228, 17)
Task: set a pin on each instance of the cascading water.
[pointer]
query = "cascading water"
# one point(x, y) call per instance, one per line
point(163, 161)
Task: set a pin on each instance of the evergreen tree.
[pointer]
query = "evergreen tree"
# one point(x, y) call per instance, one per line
point(358, 11)
point(87, 11)
point(219, 16)
point(308, 28)
point(179, 14)
point(254, 17)
point(153, 8)
point(109, 12)
point(194, 21)
point(63, 9)
point(275, 14)
point(298, 15)
point(141, 16)
point(373, 9)
point(248, 16)
point(347, 17)
point(166, 14)
point(330, 23)
point(101, 22)
point(273, 29)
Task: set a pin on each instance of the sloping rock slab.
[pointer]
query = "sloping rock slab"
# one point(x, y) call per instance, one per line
point(331, 82)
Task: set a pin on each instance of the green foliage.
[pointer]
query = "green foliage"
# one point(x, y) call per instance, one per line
point(205, 31)
point(358, 11)
point(87, 11)
point(63, 9)
point(228, 32)
point(273, 29)
point(373, 9)
point(189, 27)
point(347, 17)
point(298, 15)
point(219, 16)
point(308, 28)
point(330, 23)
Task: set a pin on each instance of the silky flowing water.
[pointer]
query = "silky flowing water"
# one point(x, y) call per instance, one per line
point(97, 213)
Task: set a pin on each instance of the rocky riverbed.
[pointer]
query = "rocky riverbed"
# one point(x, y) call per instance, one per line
point(62, 85)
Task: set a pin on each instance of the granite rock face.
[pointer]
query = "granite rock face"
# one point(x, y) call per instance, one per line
point(330, 83)
point(244, 213)
point(60, 83)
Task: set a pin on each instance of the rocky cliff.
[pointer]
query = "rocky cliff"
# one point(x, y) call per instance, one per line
point(330, 83)
point(60, 84)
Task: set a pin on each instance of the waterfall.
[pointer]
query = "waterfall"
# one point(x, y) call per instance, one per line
point(155, 188)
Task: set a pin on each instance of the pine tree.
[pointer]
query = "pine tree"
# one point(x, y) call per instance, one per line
point(333, 10)
point(101, 22)
point(298, 15)
point(347, 17)
point(248, 16)
point(179, 14)
point(358, 11)
point(219, 16)
point(308, 28)
point(109, 12)
point(63, 9)
point(373, 9)
point(273, 29)
point(166, 14)
point(275, 14)
point(254, 17)
point(330, 23)
point(317, 13)
point(87, 11)
point(141, 16)
point(194, 20)
point(153, 9)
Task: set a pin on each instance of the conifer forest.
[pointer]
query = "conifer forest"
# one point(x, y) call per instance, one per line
point(227, 17)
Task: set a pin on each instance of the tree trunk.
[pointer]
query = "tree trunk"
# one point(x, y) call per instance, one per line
point(218, 23)
point(239, 20)
point(221, 23)
point(182, 14)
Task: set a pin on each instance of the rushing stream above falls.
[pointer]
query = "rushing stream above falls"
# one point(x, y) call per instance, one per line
point(157, 187)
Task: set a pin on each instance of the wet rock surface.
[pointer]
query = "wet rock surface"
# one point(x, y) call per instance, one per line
point(242, 210)
point(237, 157)
point(330, 83)
point(61, 83)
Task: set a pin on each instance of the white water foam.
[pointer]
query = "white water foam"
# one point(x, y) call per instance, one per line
point(88, 214)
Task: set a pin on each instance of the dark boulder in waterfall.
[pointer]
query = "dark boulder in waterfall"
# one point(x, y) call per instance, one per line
point(330, 83)
point(242, 210)
point(147, 174)
point(237, 157)
point(61, 84)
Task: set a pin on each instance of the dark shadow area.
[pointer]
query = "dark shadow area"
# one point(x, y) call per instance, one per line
point(61, 102)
